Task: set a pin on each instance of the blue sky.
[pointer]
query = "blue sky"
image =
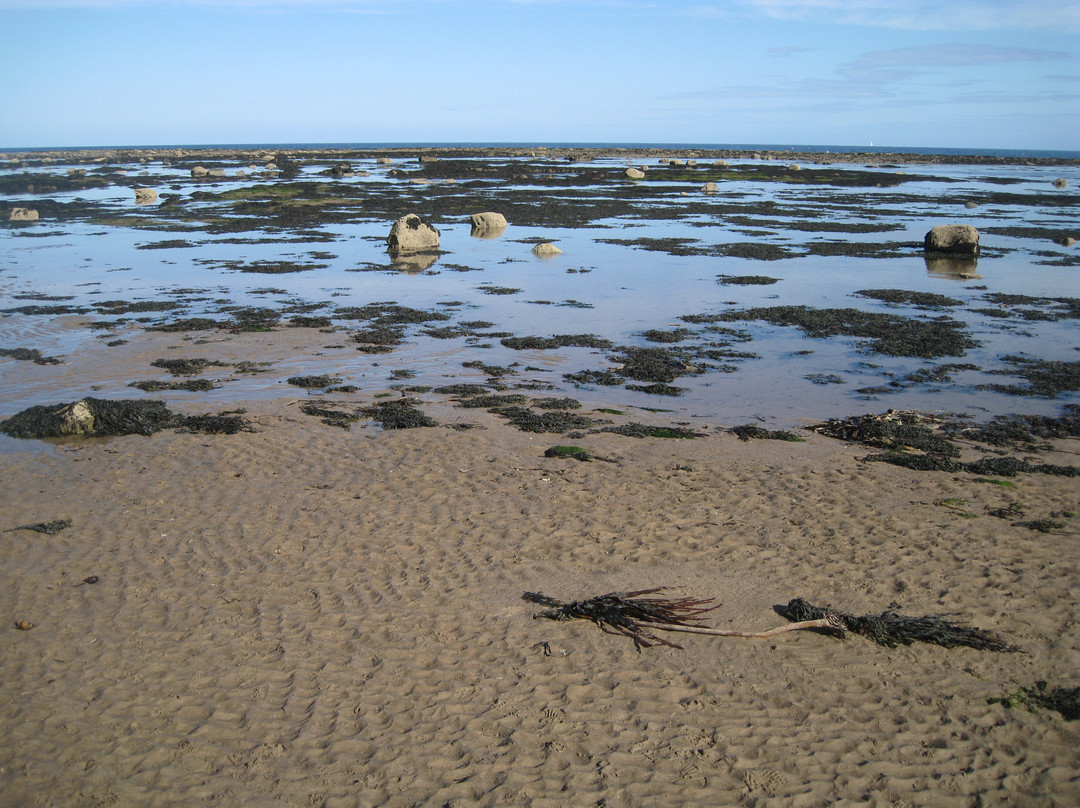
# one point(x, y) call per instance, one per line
point(919, 73)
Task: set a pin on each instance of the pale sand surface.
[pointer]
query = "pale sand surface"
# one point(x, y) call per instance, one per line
point(307, 616)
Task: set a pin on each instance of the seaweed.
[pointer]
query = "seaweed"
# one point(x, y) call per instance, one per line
point(894, 430)
point(557, 341)
point(328, 415)
point(461, 389)
point(186, 367)
point(753, 431)
point(1045, 379)
point(50, 528)
point(221, 424)
point(313, 382)
point(190, 386)
point(31, 355)
point(891, 629)
point(746, 280)
point(398, 414)
point(1064, 700)
point(573, 452)
point(635, 430)
point(564, 403)
point(888, 334)
point(557, 421)
point(91, 416)
point(926, 300)
point(487, 401)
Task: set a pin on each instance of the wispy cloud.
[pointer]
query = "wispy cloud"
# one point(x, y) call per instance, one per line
point(927, 15)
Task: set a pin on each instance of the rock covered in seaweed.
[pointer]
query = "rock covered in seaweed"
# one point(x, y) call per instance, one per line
point(411, 234)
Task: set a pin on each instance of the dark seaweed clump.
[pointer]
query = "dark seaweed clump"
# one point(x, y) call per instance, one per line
point(461, 390)
point(894, 431)
point(31, 355)
point(400, 413)
point(654, 364)
point(926, 300)
point(753, 431)
point(313, 382)
point(527, 420)
point(557, 341)
point(1045, 379)
point(573, 452)
point(746, 280)
point(186, 367)
point(987, 466)
point(329, 415)
point(490, 400)
point(189, 386)
point(1027, 431)
point(634, 430)
point(889, 334)
point(1064, 700)
point(891, 629)
point(102, 417)
point(563, 403)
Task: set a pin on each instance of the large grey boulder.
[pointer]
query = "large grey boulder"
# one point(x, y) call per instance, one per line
point(954, 239)
point(411, 234)
point(488, 225)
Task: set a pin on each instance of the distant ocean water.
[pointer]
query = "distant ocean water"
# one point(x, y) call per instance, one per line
point(774, 147)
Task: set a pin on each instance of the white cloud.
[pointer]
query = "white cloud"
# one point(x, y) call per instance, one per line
point(928, 15)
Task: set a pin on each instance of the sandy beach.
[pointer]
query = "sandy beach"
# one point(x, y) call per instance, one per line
point(302, 615)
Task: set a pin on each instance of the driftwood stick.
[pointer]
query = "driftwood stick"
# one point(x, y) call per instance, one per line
point(829, 623)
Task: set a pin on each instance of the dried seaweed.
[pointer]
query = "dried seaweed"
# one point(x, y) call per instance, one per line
point(1065, 700)
point(891, 629)
point(637, 617)
point(48, 528)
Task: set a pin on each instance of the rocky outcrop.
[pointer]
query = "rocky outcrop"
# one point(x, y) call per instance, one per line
point(23, 215)
point(411, 234)
point(952, 239)
point(488, 225)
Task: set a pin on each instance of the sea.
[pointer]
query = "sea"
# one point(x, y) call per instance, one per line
point(654, 269)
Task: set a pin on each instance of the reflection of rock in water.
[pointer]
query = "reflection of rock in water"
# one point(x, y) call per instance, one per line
point(953, 267)
point(415, 263)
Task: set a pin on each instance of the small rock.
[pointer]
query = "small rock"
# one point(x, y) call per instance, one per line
point(710, 188)
point(1061, 182)
point(23, 215)
point(145, 196)
point(546, 249)
point(635, 173)
point(198, 172)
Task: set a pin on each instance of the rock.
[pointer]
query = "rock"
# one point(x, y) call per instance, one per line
point(1068, 241)
point(954, 239)
point(710, 188)
point(411, 234)
point(428, 158)
point(488, 225)
point(635, 173)
point(216, 172)
point(722, 164)
point(971, 205)
point(76, 172)
point(198, 172)
point(1061, 182)
point(145, 196)
point(546, 249)
point(23, 215)
point(384, 161)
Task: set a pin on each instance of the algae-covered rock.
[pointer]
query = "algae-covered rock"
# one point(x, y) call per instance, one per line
point(90, 416)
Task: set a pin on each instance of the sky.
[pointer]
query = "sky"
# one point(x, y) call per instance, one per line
point(981, 74)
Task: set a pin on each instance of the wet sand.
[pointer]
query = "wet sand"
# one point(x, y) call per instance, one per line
point(303, 615)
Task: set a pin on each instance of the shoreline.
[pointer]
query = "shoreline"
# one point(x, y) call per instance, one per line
point(243, 153)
